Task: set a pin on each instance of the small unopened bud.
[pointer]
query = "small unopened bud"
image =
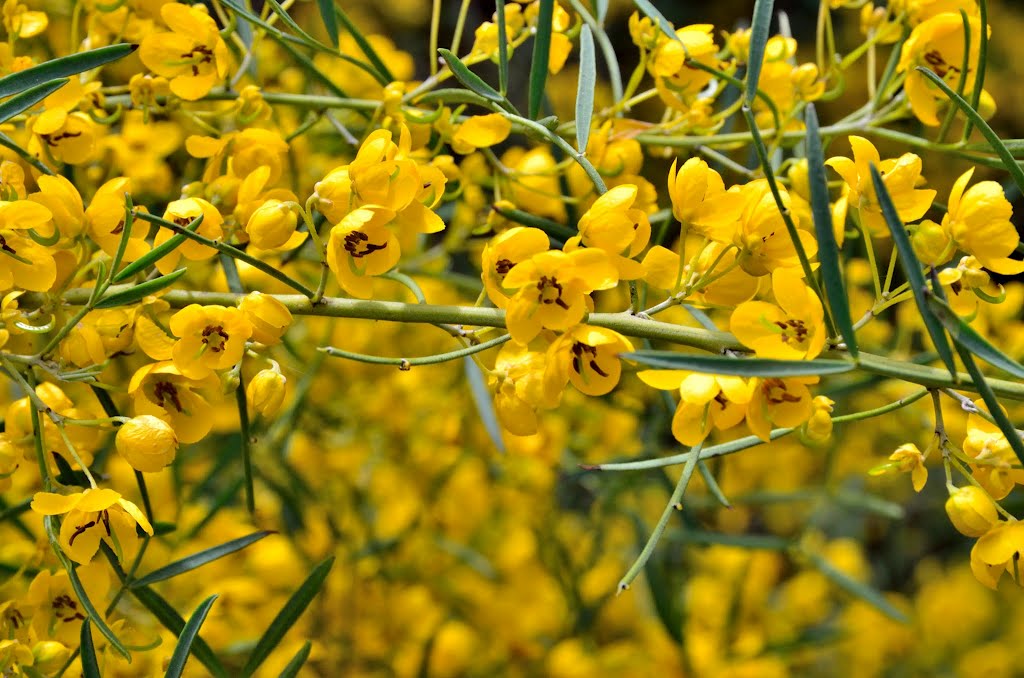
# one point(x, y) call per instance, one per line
point(265, 393)
point(147, 443)
point(933, 244)
point(971, 510)
point(49, 656)
point(268, 316)
point(271, 225)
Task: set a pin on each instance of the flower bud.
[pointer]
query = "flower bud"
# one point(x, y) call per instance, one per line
point(49, 656)
point(932, 243)
point(268, 316)
point(9, 459)
point(147, 443)
point(271, 224)
point(971, 510)
point(265, 393)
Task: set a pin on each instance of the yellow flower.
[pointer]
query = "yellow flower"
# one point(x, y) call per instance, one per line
point(706, 401)
point(790, 329)
point(66, 136)
point(999, 550)
point(966, 284)
point(162, 390)
point(20, 22)
point(818, 428)
point(272, 225)
point(265, 392)
point(209, 338)
point(362, 246)
point(779, 402)
point(182, 212)
point(667, 62)
point(92, 516)
point(481, 131)
point(587, 357)
point(994, 463)
point(192, 54)
point(519, 376)
point(700, 201)
point(554, 289)
point(105, 222)
point(971, 510)
point(615, 226)
point(504, 251)
point(978, 219)
point(762, 237)
point(64, 202)
point(901, 177)
point(938, 44)
point(147, 443)
point(906, 458)
point(268, 316)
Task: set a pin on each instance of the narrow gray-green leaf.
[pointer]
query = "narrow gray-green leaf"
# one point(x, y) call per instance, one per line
point(601, 7)
point(11, 144)
point(855, 588)
point(828, 248)
point(468, 78)
point(87, 652)
point(912, 269)
point(484, 402)
point(969, 338)
point(541, 56)
point(330, 20)
point(585, 89)
point(293, 667)
point(739, 367)
point(502, 48)
point(158, 252)
point(137, 292)
point(176, 666)
point(197, 560)
point(29, 98)
point(62, 68)
point(986, 131)
point(287, 617)
point(979, 78)
point(172, 621)
point(759, 28)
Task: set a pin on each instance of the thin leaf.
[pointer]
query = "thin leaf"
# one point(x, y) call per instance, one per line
point(986, 131)
point(541, 56)
point(9, 143)
point(484, 402)
point(857, 589)
point(288, 615)
point(994, 408)
point(293, 667)
point(758, 542)
point(968, 337)
point(912, 269)
point(292, 24)
point(979, 78)
point(739, 367)
point(502, 48)
point(366, 47)
point(828, 248)
point(176, 666)
point(585, 89)
point(330, 20)
point(759, 28)
point(468, 78)
point(158, 252)
point(87, 652)
point(172, 621)
point(29, 98)
point(62, 68)
point(137, 292)
point(197, 560)
point(601, 6)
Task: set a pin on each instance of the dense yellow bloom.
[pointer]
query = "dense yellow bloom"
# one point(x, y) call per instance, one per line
point(938, 45)
point(503, 252)
point(790, 329)
point(554, 289)
point(192, 54)
point(901, 177)
point(210, 338)
point(92, 516)
point(147, 443)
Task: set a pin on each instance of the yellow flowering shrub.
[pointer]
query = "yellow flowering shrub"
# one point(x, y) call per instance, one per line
point(533, 338)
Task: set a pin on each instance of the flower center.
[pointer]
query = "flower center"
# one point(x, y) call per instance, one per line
point(503, 267)
point(582, 352)
point(215, 337)
point(547, 286)
point(66, 609)
point(356, 238)
point(938, 63)
point(164, 391)
point(775, 392)
point(793, 330)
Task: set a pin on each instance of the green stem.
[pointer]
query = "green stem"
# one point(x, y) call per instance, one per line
point(406, 363)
